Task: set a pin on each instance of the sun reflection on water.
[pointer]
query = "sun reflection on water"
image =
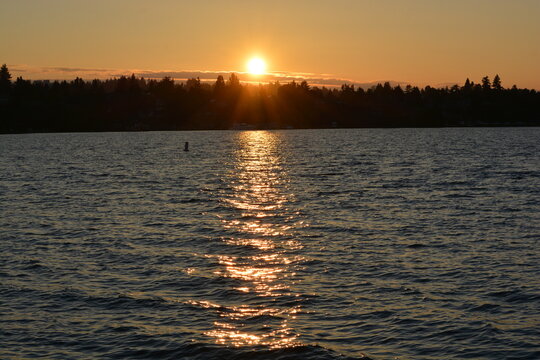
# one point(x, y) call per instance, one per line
point(262, 226)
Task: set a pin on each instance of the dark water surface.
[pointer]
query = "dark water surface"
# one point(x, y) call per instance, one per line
point(316, 244)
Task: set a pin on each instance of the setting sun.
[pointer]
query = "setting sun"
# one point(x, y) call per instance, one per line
point(256, 66)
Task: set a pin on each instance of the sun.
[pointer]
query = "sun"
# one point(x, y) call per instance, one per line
point(256, 66)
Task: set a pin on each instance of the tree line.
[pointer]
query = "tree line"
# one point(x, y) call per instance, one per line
point(134, 103)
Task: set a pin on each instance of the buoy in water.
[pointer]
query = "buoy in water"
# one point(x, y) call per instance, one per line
point(186, 146)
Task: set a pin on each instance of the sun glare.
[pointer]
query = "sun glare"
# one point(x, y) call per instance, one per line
point(256, 66)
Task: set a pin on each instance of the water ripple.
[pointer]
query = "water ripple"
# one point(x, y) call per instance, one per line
point(326, 244)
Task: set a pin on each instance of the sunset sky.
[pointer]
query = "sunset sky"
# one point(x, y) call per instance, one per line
point(415, 41)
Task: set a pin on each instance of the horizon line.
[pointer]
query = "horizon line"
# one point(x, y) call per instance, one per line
point(59, 73)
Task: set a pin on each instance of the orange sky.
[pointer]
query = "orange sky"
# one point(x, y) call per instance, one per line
point(415, 41)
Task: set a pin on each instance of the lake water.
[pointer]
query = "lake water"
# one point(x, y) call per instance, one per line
point(314, 244)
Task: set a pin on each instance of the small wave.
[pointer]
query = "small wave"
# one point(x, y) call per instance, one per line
point(380, 314)
point(202, 351)
point(416, 246)
point(515, 296)
point(486, 308)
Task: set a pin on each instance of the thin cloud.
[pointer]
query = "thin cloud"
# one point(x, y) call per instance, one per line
point(68, 73)
point(71, 70)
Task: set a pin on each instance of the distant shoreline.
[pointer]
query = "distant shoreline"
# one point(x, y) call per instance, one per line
point(138, 104)
point(237, 130)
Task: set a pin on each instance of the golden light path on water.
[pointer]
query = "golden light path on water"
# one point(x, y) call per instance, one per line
point(262, 224)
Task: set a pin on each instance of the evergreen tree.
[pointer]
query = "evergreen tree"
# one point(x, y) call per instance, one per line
point(486, 84)
point(193, 83)
point(468, 85)
point(219, 84)
point(304, 85)
point(234, 81)
point(497, 82)
point(5, 79)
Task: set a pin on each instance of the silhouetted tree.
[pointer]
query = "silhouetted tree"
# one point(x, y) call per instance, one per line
point(219, 84)
point(134, 84)
point(497, 83)
point(346, 88)
point(5, 79)
point(486, 84)
point(234, 81)
point(193, 84)
point(165, 86)
point(467, 86)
